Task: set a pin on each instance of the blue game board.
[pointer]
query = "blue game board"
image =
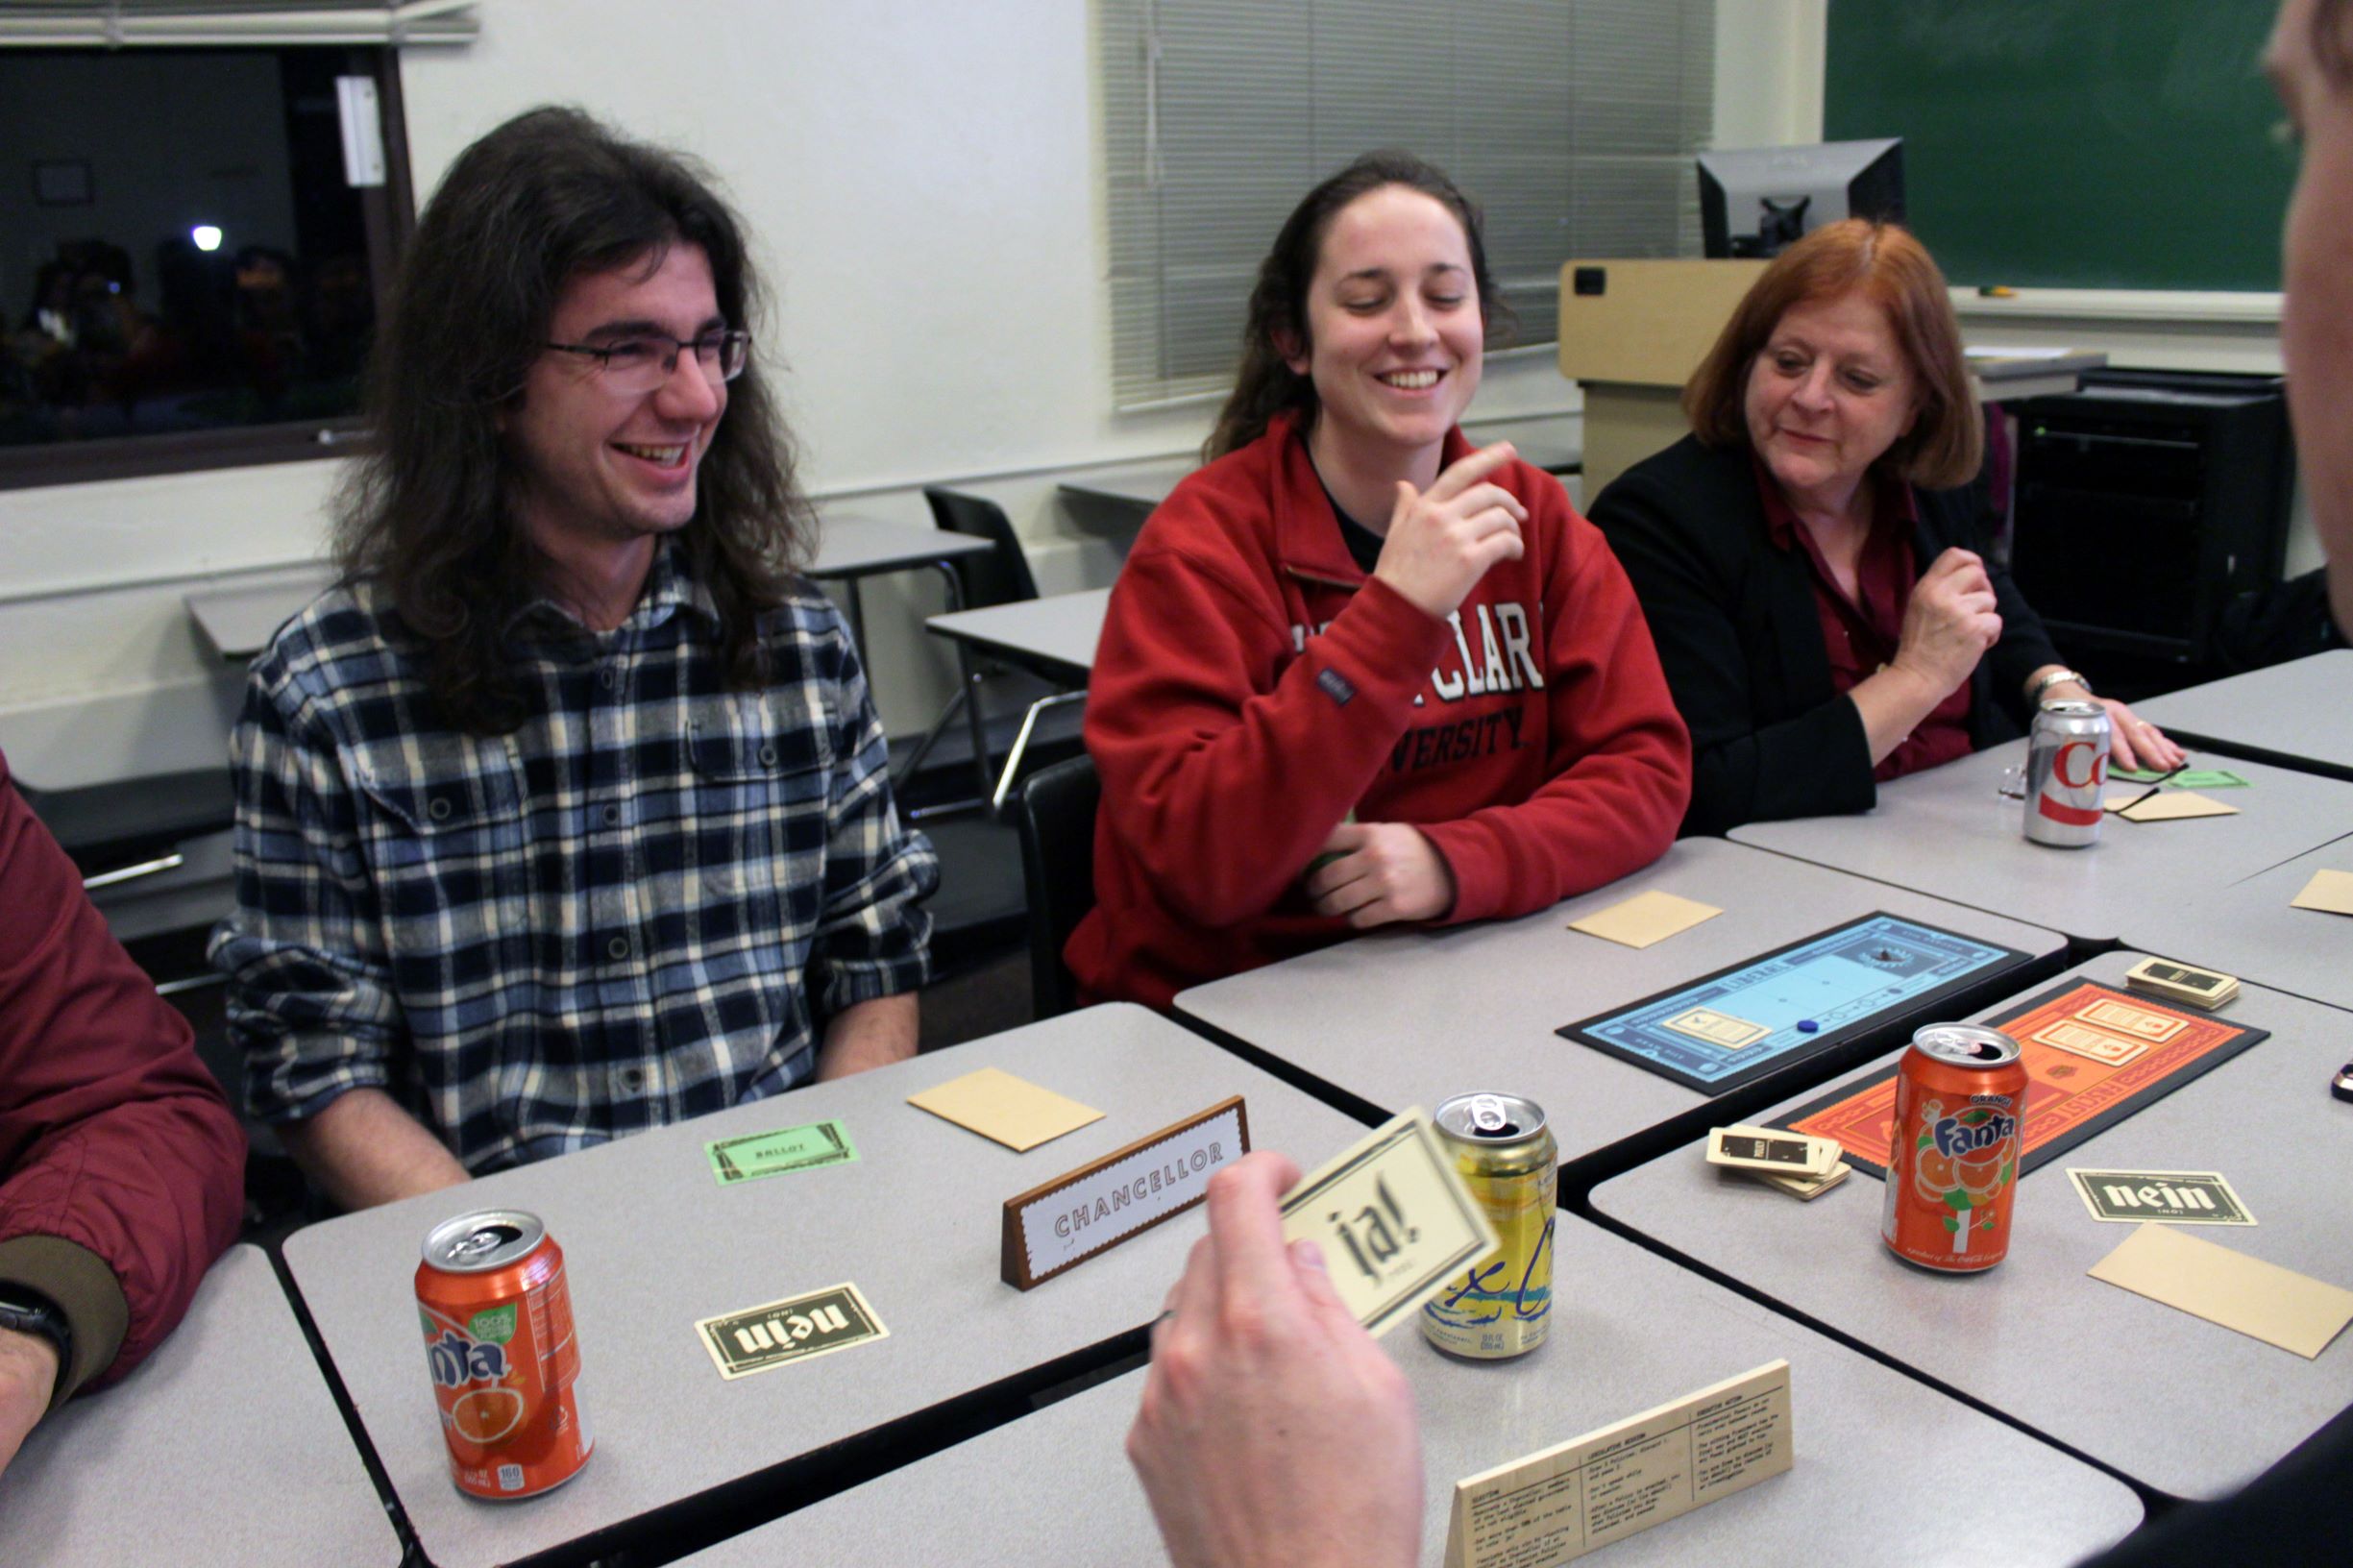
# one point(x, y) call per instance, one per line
point(1742, 1023)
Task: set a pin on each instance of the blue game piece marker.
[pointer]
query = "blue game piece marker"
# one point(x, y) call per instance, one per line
point(1806, 1026)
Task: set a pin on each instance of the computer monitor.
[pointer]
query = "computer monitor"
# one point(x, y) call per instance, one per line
point(1755, 201)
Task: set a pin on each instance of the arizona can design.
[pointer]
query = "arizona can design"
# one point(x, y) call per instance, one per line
point(1953, 1148)
point(500, 1347)
point(1501, 1306)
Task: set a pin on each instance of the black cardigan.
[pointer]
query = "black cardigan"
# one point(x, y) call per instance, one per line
point(1741, 641)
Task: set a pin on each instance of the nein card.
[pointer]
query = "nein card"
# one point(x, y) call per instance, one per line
point(2161, 1197)
point(796, 1329)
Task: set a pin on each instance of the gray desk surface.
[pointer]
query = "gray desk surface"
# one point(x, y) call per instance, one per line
point(239, 621)
point(652, 1245)
point(2298, 713)
point(1138, 485)
point(1875, 1451)
point(2250, 929)
point(92, 741)
point(1951, 833)
point(1411, 1017)
point(2178, 1402)
point(858, 547)
point(224, 1447)
point(1064, 628)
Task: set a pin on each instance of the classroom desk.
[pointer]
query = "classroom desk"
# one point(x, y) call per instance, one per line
point(2295, 715)
point(1877, 1453)
point(2179, 1404)
point(226, 1446)
point(238, 623)
point(2249, 929)
point(1053, 637)
point(1949, 832)
point(1134, 487)
point(1057, 631)
point(849, 548)
point(1412, 1018)
point(653, 1243)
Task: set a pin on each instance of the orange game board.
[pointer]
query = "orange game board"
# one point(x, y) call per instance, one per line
point(2070, 1094)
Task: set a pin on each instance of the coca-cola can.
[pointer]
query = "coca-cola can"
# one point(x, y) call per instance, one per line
point(2067, 772)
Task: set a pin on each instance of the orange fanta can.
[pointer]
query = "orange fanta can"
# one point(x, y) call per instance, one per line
point(1954, 1145)
point(505, 1365)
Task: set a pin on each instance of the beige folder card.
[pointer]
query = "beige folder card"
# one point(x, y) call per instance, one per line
point(2276, 1304)
point(2329, 891)
point(1013, 1110)
point(1566, 1501)
point(2169, 806)
point(1645, 919)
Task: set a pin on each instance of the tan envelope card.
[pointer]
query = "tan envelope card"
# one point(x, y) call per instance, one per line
point(2098, 1044)
point(1013, 1110)
point(1394, 1220)
point(2132, 1022)
point(1563, 1501)
point(2329, 891)
point(1645, 919)
point(2169, 806)
point(1716, 1028)
point(2264, 1301)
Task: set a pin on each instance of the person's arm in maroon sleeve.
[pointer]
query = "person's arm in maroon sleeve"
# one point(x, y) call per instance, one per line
point(121, 1166)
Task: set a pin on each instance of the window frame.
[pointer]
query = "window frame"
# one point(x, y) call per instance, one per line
point(389, 212)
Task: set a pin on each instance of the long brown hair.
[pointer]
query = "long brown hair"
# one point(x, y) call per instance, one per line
point(1946, 441)
point(429, 514)
point(1266, 385)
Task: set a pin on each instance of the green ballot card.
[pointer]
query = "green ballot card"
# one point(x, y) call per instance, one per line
point(755, 1155)
point(2188, 778)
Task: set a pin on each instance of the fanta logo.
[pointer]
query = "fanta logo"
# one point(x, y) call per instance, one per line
point(1957, 1135)
point(457, 1361)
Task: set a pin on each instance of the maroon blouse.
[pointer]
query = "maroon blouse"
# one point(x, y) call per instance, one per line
point(1861, 634)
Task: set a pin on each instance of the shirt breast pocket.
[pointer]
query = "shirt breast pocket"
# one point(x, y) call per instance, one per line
point(454, 794)
point(762, 784)
point(447, 843)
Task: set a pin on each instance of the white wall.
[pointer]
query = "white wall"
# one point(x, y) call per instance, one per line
point(925, 177)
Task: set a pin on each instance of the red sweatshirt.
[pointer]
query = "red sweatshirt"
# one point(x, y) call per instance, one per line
point(1252, 687)
point(122, 1171)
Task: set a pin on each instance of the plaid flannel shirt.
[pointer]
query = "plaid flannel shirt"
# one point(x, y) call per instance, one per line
point(641, 906)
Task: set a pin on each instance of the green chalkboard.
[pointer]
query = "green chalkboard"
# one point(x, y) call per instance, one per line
point(2073, 143)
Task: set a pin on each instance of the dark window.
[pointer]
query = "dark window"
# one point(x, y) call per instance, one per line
point(190, 278)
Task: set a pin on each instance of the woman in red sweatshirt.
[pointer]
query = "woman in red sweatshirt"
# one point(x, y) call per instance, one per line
point(1354, 670)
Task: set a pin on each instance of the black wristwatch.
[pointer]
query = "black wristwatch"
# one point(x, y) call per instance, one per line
point(29, 1311)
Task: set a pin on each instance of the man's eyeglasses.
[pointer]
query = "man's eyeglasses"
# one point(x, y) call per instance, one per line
point(645, 361)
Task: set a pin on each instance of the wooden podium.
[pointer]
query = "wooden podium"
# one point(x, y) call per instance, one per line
point(1632, 331)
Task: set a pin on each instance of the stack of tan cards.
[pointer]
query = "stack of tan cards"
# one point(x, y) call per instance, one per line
point(1800, 1165)
point(2180, 983)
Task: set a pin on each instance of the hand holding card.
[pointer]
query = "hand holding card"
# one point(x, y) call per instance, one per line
point(1268, 1413)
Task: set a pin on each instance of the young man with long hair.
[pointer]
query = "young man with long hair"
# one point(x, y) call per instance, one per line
point(565, 813)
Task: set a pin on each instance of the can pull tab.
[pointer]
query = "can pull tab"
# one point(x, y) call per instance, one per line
point(489, 1238)
point(1489, 1118)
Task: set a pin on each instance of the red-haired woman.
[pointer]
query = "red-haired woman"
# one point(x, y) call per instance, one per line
point(1807, 557)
